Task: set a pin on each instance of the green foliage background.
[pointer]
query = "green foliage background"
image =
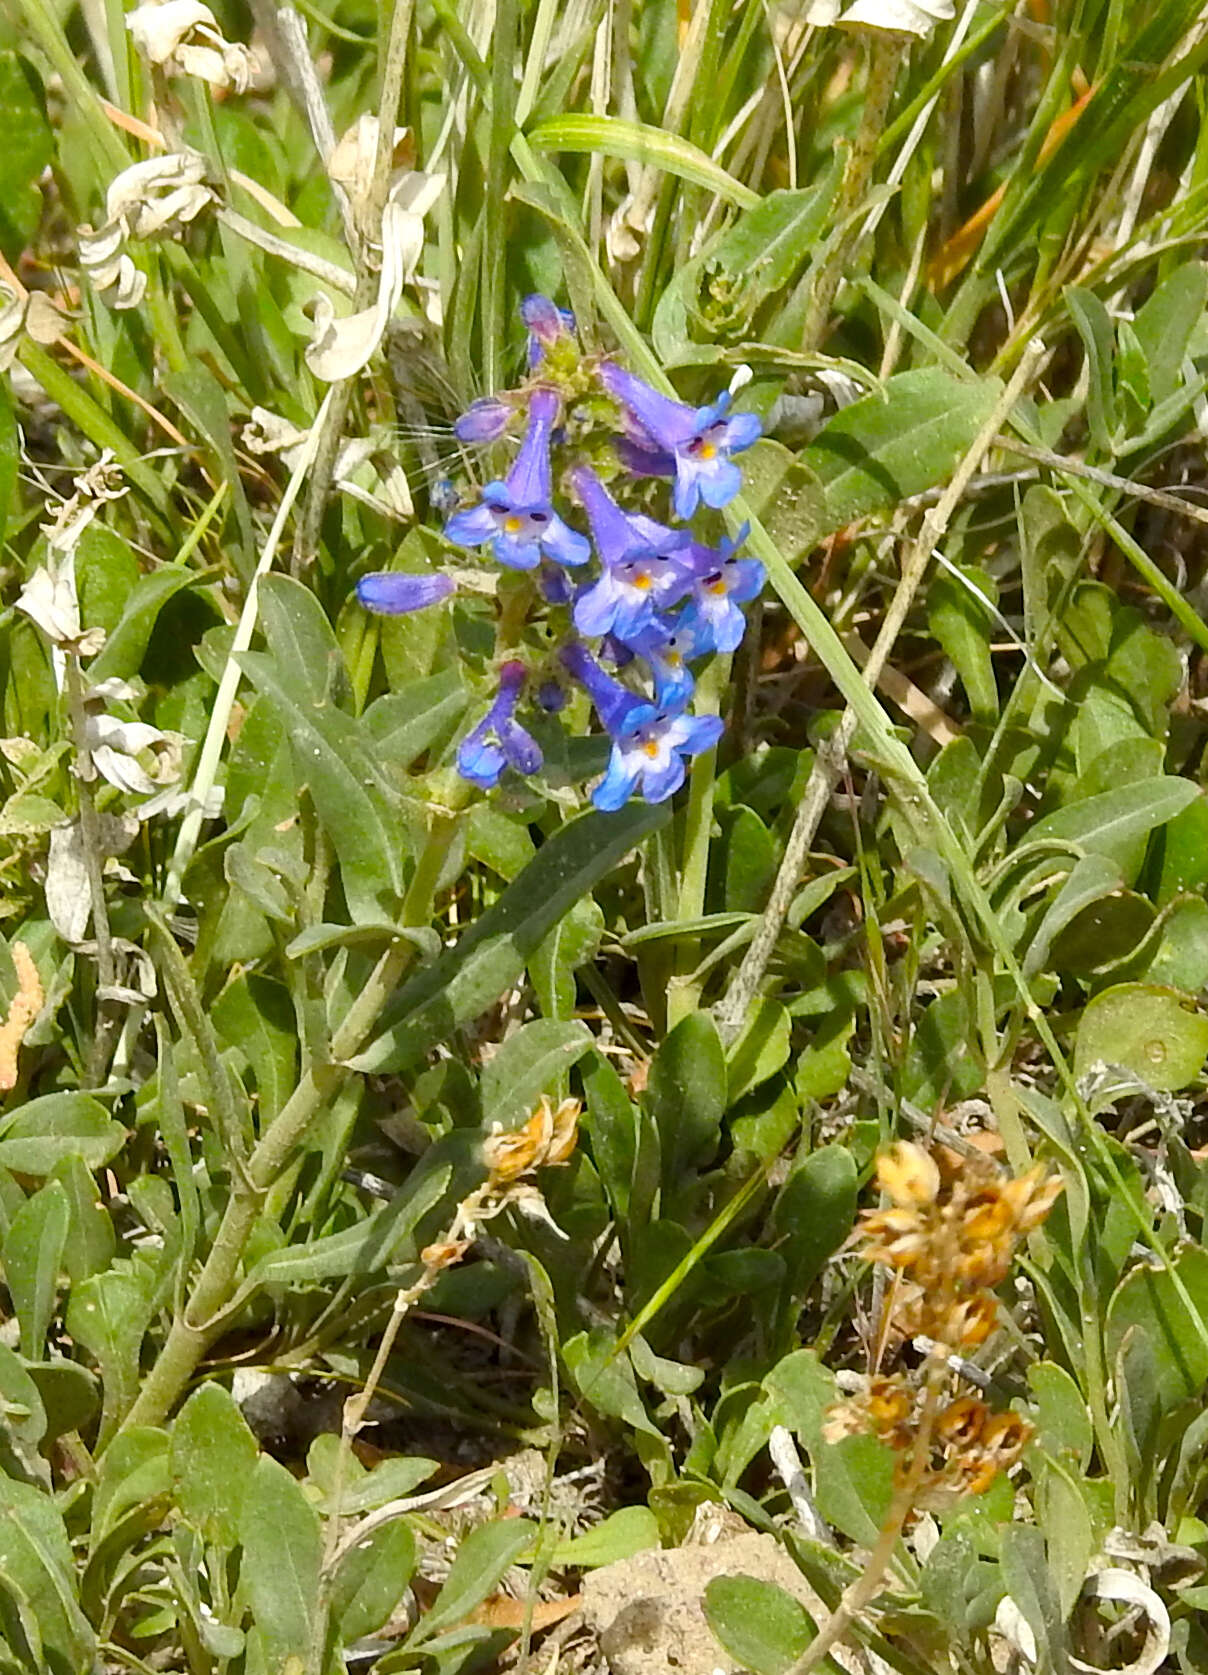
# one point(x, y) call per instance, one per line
point(966, 273)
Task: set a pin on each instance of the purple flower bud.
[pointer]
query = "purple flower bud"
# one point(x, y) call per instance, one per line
point(551, 697)
point(547, 323)
point(393, 593)
point(484, 420)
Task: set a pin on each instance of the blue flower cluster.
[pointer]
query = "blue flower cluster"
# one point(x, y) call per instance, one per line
point(655, 598)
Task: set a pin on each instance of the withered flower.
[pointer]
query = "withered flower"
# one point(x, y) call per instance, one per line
point(26, 1004)
point(949, 1240)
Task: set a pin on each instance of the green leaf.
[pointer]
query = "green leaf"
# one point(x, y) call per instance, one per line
point(813, 1213)
point(1069, 1534)
point(1063, 1421)
point(527, 1065)
point(632, 1529)
point(132, 1472)
point(760, 1625)
point(22, 1422)
point(371, 1242)
point(572, 942)
point(256, 1016)
point(483, 1558)
point(1095, 329)
point(26, 147)
point(1027, 1572)
point(1146, 1299)
point(108, 1315)
point(688, 1096)
point(884, 448)
point(751, 859)
point(36, 1565)
point(371, 1581)
point(351, 799)
point(492, 954)
point(33, 1260)
point(308, 660)
point(123, 651)
point(279, 1567)
point(1090, 879)
point(637, 142)
point(424, 714)
point(1165, 322)
point(213, 1456)
point(1147, 1030)
point(1109, 823)
point(611, 1122)
point(760, 1050)
point(91, 1241)
point(37, 1135)
point(963, 625)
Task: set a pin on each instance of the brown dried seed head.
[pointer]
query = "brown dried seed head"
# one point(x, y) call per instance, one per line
point(1042, 1192)
point(908, 1174)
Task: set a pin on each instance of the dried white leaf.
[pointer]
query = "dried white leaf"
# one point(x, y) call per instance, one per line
point(151, 196)
point(268, 433)
point(12, 323)
point(68, 901)
point(341, 347)
point(1124, 1587)
point(902, 17)
point(183, 36)
point(49, 599)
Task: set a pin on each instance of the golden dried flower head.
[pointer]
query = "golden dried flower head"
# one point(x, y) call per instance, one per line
point(909, 1175)
point(444, 1253)
point(545, 1140)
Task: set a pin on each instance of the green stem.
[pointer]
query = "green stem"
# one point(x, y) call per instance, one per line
point(683, 991)
point(200, 1321)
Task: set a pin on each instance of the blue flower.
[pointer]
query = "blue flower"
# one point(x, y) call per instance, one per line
point(667, 645)
point(694, 442)
point(720, 584)
point(499, 741)
point(641, 573)
point(648, 754)
point(517, 515)
point(547, 323)
point(484, 420)
point(392, 593)
point(613, 701)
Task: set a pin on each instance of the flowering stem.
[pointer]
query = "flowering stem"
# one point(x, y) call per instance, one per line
point(884, 53)
point(90, 842)
point(865, 1587)
point(683, 990)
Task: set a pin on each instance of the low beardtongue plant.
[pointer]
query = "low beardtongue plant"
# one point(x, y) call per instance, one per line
point(647, 597)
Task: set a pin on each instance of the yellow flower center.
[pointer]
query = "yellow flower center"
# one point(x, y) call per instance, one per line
point(642, 580)
point(513, 525)
point(708, 450)
point(651, 747)
point(717, 587)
